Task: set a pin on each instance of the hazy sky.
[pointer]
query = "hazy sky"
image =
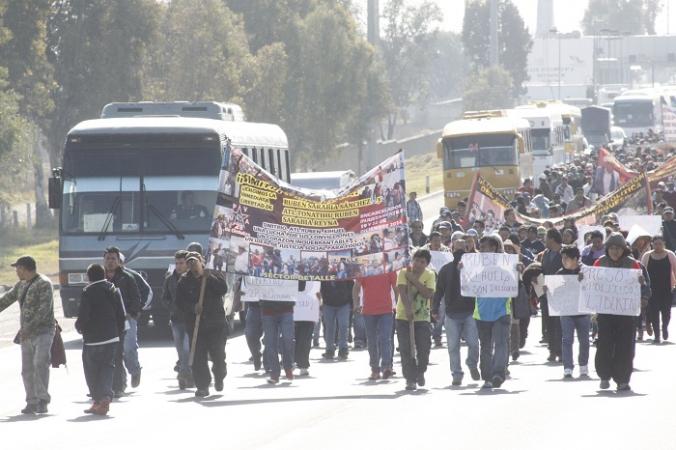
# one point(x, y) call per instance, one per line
point(567, 14)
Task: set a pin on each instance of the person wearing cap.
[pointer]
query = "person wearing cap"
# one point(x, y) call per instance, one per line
point(615, 347)
point(669, 228)
point(195, 247)
point(445, 229)
point(125, 282)
point(35, 296)
point(444, 216)
point(212, 333)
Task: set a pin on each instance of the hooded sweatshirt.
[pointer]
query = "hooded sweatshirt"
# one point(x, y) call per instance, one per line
point(101, 316)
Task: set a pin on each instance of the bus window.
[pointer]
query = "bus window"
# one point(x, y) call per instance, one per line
point(282, 175)
point(262, 163)
point(254, 153)
point(287, 165)
point(479, 151)
point(245, 151)
point(271, 161)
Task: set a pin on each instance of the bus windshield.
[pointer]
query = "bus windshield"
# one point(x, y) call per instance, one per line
point(156, 191)
point(540, 138)
point(479, 151)
point(637, 113)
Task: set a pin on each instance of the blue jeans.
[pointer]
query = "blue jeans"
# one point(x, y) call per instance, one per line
point(569, 324)
point(131, 348)
point(359, 329)
point(494, 339)
point(341, 316)
point(274, 326)
point(455, 329)
point(182, 344)
point(36, 354)
point(379, 340)
point(253, 329)
point(98, 362)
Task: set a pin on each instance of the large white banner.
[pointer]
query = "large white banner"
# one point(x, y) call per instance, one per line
point(489, 275)
point(563, 295)
point(306, 308)
point(255, 289)
point(650, 224)
point(607, 290)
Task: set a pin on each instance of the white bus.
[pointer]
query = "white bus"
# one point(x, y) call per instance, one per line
point(548, 135)
point(638, 111)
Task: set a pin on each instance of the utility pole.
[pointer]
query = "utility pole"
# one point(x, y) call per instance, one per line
point(493, 27)
point(373, 35)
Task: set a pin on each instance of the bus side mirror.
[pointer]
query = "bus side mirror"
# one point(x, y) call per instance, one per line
point(55, 189)
point(440, 149)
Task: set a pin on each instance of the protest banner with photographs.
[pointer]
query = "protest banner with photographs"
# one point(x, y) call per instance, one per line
point(264, 227)
point(489, 275)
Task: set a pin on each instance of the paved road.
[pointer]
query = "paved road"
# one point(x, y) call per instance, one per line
point(337, 408)
point(430, 205)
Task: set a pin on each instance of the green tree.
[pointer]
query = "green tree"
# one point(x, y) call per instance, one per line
point(514, 40)
point(447, 67)
point(265, 83)
point(625, 16)
point(491, 88)
point(100, 51)
point(407, 53)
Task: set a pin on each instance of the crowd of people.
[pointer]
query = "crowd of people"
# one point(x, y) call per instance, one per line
point(416, 303)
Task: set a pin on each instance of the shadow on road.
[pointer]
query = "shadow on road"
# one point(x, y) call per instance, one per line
point(613, 394)
point(89, 418)
point(489, 392)
point(308, 399)
point(24, 418)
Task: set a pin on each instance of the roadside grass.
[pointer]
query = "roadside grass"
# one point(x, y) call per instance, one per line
point(41, 244)
point(420, 166)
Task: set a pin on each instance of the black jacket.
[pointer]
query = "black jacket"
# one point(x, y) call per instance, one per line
point(144, 289)
point(125, 282)
point(169, 297)
point(448, 287)
point(188, 294)
point(336, 293)
point(101, 314)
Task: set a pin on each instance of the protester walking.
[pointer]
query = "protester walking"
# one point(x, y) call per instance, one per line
point(35, 296)
point(377, 312)
point(278, 330)
point(615, 347)
point(100, 321)
point(413, 208)
point(458, 321)
point(661, 265)
point(199, 296)
point(336, 305)
point(416, 288)
point(305, 315)
point(179, 330)
point(551, 264)
point(580, 323)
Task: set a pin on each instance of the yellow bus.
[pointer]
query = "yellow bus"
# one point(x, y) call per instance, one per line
point(495, 144)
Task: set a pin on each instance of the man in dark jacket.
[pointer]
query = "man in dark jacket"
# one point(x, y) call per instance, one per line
point(131, 297)
point(100, 320)
point(551, 264)
point(212, 332)
point(459, 321)
point(178, 325)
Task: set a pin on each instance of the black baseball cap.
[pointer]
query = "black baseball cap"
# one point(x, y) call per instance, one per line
point(27, 262)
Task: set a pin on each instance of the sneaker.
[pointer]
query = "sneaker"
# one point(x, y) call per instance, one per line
point(420, 379)
point(388, 373)
point(136, 380)
point(623, 387)
point(273, 380)
point(457, 381)
point(29, 409)
point(304, 373)
point(497, 381)
point(584, 372)
point(257, 363)
point(657, 340)
point(218, 384)
point(181, 383)
point(102, 407)
point(328, 355)
point(567, 373)
point(288, 373)
point(119, 394)
point(551, 357)
point(410, 386)
point(487, 385)
point(201, 393)
point(375, 375)
point(605, 384)
point(474, 372)
point(516, 355)
point(342, 355)
point(649, 329)
point(41, 407)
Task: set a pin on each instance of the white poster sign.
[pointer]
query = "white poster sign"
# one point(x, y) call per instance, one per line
point(607, 290)
point(440, 259)
point(489, 275)
point(651, 224)
point(306, 308)
point(563, 295)
point(255, 289)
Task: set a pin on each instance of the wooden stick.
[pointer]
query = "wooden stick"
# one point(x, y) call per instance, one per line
point(193, 344)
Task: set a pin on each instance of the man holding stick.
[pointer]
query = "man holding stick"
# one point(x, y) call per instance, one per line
point(199, 295)
point(416, 286)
